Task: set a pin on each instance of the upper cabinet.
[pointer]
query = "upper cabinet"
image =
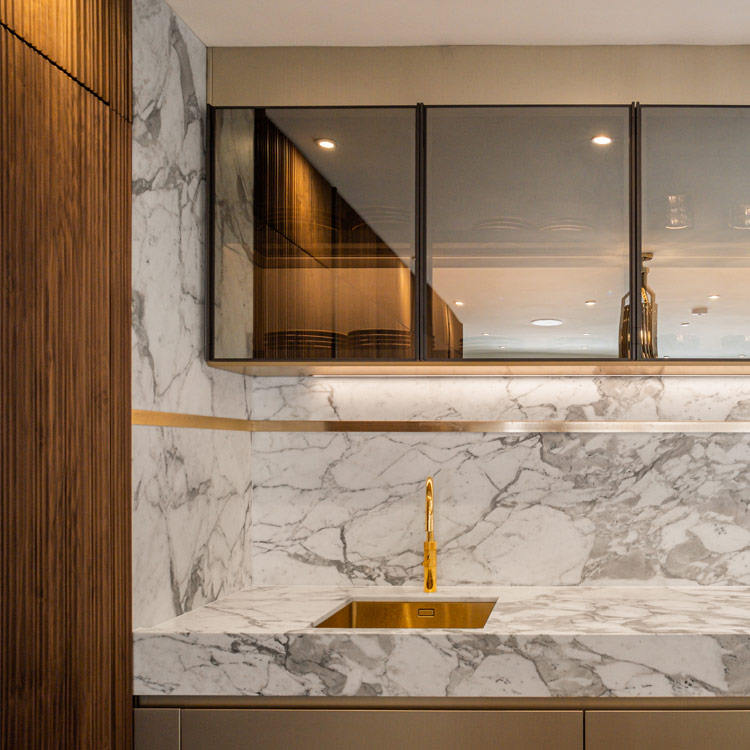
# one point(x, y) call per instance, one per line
point(696, 229)
point(314, 234)
point(488, 234)
point(527, 231)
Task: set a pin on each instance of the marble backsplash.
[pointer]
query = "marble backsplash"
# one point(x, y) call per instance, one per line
point(192, 488)
point(537, 509)
point(191, 519)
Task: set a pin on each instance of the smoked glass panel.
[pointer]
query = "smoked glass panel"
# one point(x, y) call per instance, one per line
point(314, 233)
point(696, 229)
point(527, 223)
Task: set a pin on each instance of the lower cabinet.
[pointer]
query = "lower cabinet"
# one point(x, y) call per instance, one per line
point(380, 729)
point(438, 729)
point(667, 730)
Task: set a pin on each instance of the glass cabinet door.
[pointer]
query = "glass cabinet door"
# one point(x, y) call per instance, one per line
point(696, 229)
point(314, 233)
point(528, 237)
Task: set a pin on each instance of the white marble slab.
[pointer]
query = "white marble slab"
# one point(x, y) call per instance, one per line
point(169, 223)
point(347, 508)
point(191, 519)
point(192, 488)
point(551, 641)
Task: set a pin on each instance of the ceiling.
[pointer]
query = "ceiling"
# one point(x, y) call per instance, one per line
point(363, 23)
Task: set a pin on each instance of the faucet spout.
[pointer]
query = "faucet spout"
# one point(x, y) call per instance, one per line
point(430, 545)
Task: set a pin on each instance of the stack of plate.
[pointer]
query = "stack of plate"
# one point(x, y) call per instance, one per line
point(384, 343)
point(303, 344)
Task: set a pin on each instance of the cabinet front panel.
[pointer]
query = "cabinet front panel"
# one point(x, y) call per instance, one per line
point(667, 730)
point(156, 729)
point(377, 729)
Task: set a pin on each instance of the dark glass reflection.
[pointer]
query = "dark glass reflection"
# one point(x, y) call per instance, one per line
point(314, 234)
point(527, 220)
point(696, 228)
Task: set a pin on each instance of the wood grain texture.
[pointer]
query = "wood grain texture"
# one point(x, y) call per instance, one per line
point(65, 384)
point(89, 39)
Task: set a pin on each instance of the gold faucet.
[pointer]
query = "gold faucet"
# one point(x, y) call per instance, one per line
point(430, 546)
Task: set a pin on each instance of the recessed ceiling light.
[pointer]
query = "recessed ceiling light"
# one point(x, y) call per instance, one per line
point(684, 325)
point(485, 334)
point(458, 303)
point(741, 356)
point(325, 143)
point(501, 347)
point(586, 334)
point(546, 322)
point(713, 296)
point(590, 302)
point(601, 140)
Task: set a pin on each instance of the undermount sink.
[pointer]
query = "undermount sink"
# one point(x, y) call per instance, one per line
point(410, 614)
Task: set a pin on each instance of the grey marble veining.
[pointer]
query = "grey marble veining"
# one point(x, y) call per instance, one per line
point(570, 641)
point(347, 508)
point(169, 223)
point(191, 519)
point(499, 398)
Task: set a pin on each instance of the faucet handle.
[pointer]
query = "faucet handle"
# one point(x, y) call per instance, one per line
point(429, 506)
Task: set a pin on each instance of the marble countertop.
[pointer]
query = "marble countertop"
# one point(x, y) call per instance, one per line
point(538, 641)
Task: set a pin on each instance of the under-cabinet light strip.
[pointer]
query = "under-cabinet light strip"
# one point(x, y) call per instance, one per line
point(196, 421)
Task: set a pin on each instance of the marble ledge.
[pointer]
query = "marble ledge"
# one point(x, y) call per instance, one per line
point(538, 642)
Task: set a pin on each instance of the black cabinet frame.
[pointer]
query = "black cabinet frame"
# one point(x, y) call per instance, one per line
point(419, 279)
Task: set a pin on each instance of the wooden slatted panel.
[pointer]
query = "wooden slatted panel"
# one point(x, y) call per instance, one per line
point(65, 506)
point(120, 492)
point(89, 39)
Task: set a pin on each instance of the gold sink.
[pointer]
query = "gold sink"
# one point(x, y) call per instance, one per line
point(401, 614)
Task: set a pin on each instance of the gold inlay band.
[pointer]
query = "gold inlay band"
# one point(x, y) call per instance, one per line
point(196, 421)
point(192, 421)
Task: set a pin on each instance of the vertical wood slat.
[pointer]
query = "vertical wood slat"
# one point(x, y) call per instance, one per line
point(89, 39)
point(64, 343)
point(120, 492)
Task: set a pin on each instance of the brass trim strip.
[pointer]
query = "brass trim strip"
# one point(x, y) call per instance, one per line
point(196, 421)
point(191, 421)
point(557, 367)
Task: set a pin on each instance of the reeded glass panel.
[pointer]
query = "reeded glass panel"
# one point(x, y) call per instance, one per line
point(314, 233)
point(527, 231)
point(696, 229)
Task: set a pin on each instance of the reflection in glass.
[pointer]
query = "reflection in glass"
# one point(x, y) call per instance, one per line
point(678, 213)
point(696, 175)
point(314, 233)
point(741, 216)
point(527, 219)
